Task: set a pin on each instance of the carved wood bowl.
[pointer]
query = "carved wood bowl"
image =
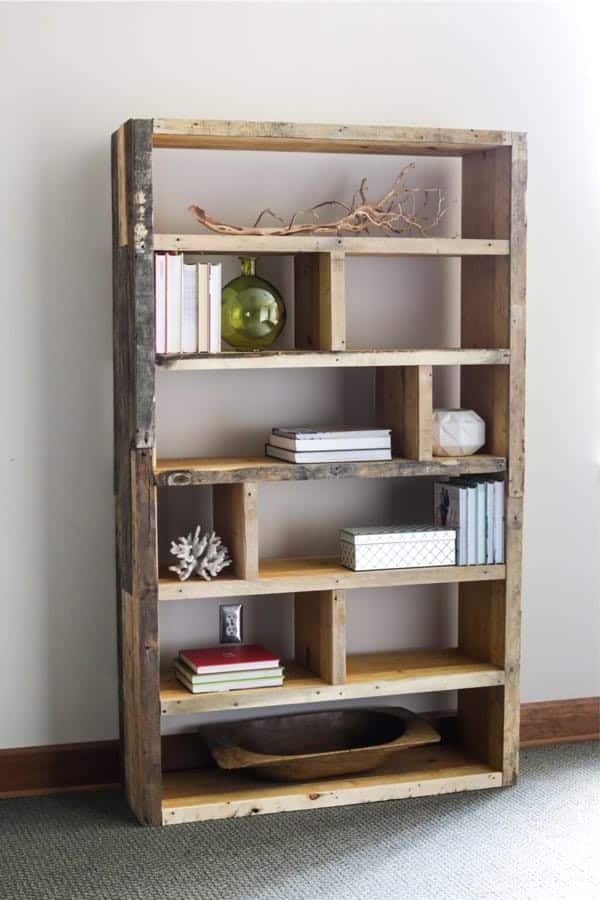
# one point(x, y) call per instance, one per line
point(305, 746)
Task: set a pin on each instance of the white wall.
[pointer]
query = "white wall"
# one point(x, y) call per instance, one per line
point(70, 74)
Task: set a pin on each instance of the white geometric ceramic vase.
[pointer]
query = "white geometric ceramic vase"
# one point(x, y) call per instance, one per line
point(457, 432)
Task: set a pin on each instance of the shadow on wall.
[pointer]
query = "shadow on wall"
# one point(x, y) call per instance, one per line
point(74, 338)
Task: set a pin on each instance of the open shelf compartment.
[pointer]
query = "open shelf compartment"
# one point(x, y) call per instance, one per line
point(200, 794)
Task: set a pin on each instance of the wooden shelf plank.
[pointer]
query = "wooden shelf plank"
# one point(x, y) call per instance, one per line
point(367, 675)
point(289, 576)
point(264, 245)
point(202, 794)
point(309, 359)
point(308, 137)
point(230, 470)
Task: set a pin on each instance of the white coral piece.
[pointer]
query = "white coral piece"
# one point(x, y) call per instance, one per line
point(204, 555)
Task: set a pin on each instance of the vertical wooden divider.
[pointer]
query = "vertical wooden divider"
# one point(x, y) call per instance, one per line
point(493, 315)
point(135, 493)
point(235, 520)
point(320, 634)
point(404, 400)
point(319, 298)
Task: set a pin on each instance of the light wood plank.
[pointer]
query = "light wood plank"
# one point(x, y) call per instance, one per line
point(235, 519)
point(321, 138)
point(224, 470)
point(332, 302)
point(202, 794)
point(368, 675)
point(264, 245)
point(404, 400)
point(320, 634)
point(301, 359)
point(288, 576)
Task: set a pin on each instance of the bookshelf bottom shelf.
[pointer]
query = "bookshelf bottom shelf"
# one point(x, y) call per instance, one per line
point(201, 794)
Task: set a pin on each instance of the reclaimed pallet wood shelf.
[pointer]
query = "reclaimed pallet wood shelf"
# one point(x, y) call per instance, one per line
point(368, 675)
point(266, 245)
point(306, 359)
point(199, 794)
point(230, 470)
point(283, 576)
point(484, 666)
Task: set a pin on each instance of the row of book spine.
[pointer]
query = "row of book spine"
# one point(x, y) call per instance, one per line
point(475, 508)
point(187, 299)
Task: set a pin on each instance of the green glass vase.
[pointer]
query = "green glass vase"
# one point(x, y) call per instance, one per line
point(252, 310)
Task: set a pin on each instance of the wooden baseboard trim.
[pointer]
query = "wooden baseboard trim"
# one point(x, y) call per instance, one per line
point(560, 721)
point(30, 771)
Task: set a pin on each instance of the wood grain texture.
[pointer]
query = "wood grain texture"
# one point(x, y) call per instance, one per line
point(481, 635)
point(121, 188)
point(403, 398)
point(301, 245)
point(235, 520)
point(560, 721)
point(320, 634)
point(416, 772)
point(137, 609)
point(225, 470)
point(368, 676)
point(321, 138)
point(288, 576)
point(332, 301)
point(140, 653)
point(493, 308)
point(306, 302)
point(299, 359)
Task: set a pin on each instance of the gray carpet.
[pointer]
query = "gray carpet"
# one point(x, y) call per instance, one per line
point(540, 839)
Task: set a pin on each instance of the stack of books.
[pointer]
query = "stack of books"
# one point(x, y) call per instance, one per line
point(228, 668)
point(475, 508)
point(306, 444)
point(187, 302)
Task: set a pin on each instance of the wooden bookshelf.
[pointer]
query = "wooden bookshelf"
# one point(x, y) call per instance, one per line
point(484, 667)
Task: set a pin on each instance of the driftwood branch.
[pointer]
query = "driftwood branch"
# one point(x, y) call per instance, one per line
point(395, 212)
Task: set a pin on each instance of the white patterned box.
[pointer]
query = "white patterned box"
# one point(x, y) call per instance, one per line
point(397, 547)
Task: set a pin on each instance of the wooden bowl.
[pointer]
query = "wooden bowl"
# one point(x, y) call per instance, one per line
point(305, 746)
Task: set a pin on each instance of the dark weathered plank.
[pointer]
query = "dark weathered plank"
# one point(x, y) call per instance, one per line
point(184, 472)
point(137, 589)
point(138, 144)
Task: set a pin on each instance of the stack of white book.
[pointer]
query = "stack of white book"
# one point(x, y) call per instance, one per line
point(228, 668)
point(475, 508)
point(306, 444)
point(187, 303)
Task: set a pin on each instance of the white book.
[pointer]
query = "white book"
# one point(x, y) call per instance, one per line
point(237, 685)
point(214, 285)
point(217, 677)
point(173, 300)
point(489, 522)
point(498, 521)
point(203, 308)
point(160, 303)
point(350, 440)
point(328, 456)
point(481, 520)
point(471, 525)
point(326, 432)
point(450, 511)
point(189, 310)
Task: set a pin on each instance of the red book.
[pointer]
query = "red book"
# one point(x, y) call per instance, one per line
point(230, 658)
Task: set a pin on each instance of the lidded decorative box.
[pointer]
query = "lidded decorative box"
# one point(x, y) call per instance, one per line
point(397, 547)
